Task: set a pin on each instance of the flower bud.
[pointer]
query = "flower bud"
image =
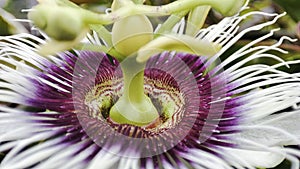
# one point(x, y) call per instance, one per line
point(59, 23)
point(131, 33)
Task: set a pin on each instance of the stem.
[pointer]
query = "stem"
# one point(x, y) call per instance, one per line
point(133, 79)
point(133, 107)
point(230, 7)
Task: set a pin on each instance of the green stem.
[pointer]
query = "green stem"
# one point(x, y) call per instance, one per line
point(133, 79)
point(230, 7)
point(133, 107)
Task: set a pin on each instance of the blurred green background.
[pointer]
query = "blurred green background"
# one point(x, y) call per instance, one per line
point(10, 10)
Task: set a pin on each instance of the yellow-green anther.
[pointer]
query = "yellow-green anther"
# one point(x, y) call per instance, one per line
point(39, 19)
point(117, 4)
point(53, 46)
point(59, 23)
point(131, 33)
point(52, 3)
point(196, 19)
point(138, 1)
point(179, 43)
point(65, 3)
point(225, 7)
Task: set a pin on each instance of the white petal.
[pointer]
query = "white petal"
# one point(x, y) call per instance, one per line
point(105, 159)
point(149, 164)
point(275, 130)
point(260, 159)
point(288, 122)
point(260, 104)
point(208, 160)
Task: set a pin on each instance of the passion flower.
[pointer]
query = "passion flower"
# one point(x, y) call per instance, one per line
point(57, 111)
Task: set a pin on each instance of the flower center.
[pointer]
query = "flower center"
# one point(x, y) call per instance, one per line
point(169, 83)
point(163, 92)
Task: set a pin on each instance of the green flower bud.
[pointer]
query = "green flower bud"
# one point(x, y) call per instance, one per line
point(131, 33)
point(60, 23)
